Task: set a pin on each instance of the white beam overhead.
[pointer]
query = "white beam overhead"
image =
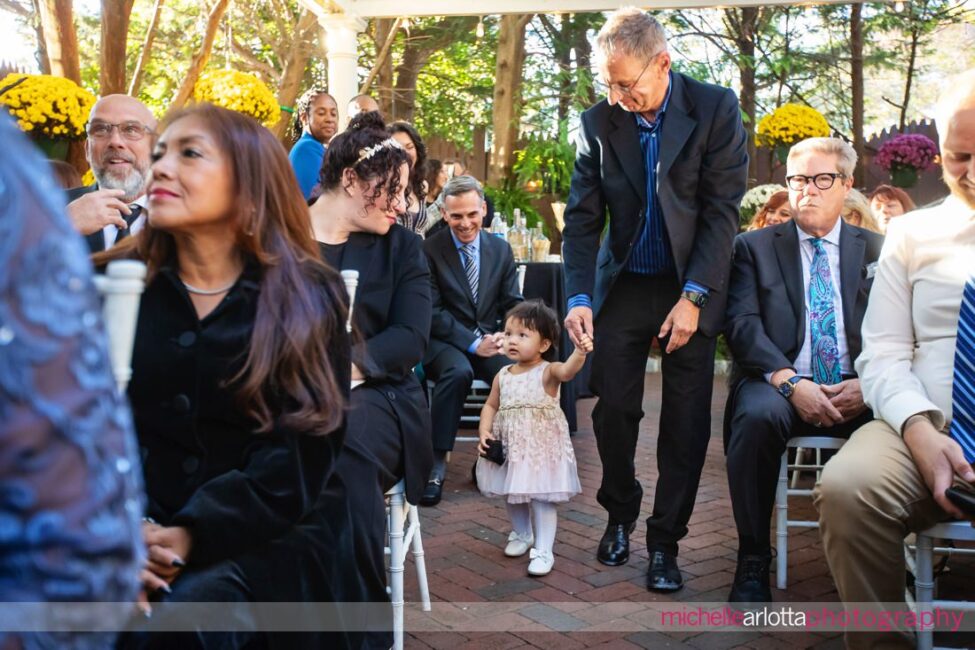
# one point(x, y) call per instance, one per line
point(396, 8)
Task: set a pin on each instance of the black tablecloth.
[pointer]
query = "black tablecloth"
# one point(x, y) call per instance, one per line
point(546, 281)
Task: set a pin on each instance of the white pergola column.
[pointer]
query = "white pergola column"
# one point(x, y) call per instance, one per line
point(342, 45)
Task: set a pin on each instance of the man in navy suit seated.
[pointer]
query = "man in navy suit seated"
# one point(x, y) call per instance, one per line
point(796, 299)
point(473, 284)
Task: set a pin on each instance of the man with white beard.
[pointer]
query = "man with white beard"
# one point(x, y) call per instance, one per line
point(121, 132)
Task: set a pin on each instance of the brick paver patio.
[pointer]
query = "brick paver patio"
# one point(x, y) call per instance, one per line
point(465, 534)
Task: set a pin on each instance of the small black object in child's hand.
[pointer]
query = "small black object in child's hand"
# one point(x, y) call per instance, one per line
point(495, 452)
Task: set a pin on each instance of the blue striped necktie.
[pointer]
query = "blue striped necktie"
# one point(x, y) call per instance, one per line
point(470, 268)
point(822, 319)
point(963, 384)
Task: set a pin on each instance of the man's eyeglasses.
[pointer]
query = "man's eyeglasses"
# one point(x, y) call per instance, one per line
point(822, 181)
point(131, 130)
point(627, 90)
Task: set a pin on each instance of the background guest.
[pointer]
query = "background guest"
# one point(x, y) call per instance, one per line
point(237, 302)
point(857, 212)
point(121, 132)
point(888, 202)
point(71, 497)
point(414, 216)
point(65, 174)
point(775, 211)
point(318, 120)
point(388, 429)
point(436, 177)
point(360, 104)
point(473, 285)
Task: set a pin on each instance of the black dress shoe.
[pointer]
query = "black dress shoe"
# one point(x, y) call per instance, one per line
point(751, 587)
point(663, 574)
point(614, 547)
point(432, 493)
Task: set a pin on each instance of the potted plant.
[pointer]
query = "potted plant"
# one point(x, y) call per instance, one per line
point(51, 110)
point(906, 155)
point(789, 124)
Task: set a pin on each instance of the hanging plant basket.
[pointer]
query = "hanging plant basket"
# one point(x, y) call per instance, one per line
point(903, 176)
point(53, 148)
point(782, 153)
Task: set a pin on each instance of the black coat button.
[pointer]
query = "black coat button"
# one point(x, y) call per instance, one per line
point(186, 339)
point(181, 403)
point(191, 464)
point(391, 395)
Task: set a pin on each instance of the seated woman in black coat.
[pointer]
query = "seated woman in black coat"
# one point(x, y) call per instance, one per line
point(364, 177)
point(240, 376)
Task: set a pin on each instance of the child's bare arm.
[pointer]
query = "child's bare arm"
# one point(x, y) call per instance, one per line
point(561, 372)
point(487, 415)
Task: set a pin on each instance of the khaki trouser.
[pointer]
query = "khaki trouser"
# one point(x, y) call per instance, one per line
point(870, 497)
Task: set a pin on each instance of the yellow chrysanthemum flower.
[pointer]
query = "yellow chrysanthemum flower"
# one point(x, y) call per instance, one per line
point(789, 124)
point(238, 91)
point(47, 105)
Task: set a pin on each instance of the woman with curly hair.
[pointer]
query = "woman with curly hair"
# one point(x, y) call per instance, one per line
point(414, 217)
point(365, 183)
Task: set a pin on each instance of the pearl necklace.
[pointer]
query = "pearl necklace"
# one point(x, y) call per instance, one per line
point(207, 292)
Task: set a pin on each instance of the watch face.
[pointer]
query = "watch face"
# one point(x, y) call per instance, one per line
point(786, 389)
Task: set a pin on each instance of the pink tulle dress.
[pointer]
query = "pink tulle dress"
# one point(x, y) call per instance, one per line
point(540, 464)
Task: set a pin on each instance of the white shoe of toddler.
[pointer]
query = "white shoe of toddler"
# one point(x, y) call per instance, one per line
point(542, 562)
point(518, 544)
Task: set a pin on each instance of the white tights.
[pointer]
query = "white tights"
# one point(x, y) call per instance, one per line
point(546, 521)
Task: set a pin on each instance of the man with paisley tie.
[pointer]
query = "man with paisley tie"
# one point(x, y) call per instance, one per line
point(796, 298)
point(918, 374)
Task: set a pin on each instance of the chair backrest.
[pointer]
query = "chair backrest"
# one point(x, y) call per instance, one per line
point(351, 279)
point(121, 289)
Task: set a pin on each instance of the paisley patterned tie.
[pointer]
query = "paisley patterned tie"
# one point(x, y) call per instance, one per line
point(822, 319)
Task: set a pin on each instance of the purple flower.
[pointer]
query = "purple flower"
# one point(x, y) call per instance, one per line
point(907, 150)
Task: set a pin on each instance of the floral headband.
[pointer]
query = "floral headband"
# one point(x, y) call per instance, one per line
point(369, 152)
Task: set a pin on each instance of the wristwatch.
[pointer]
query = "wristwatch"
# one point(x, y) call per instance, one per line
point(788, 387)
point(697, 297)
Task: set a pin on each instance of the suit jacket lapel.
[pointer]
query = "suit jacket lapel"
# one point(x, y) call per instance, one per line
point(852, 248)
point(96, 241)
point(451, 258)
point(676, 128)
point(787, 253)
point(625, 141)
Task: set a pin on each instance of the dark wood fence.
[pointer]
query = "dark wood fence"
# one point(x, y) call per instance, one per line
point(929, 187)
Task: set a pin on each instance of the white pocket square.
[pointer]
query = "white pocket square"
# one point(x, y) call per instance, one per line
point(871, 270)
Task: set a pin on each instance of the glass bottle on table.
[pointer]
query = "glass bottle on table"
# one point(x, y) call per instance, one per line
point(518, 238)
point(540, 246)
point(499, 226)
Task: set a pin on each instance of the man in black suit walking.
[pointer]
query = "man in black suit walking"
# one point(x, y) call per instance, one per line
point(474, 283)
point(666, 156)
point(121, 133)
point(796, 299)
